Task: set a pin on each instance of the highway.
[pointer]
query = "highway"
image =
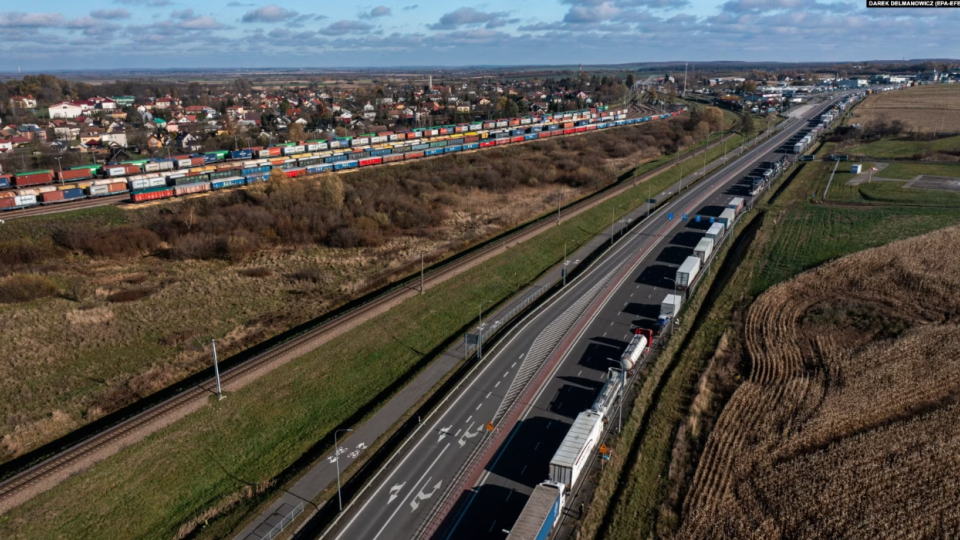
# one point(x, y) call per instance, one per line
point(623, 289)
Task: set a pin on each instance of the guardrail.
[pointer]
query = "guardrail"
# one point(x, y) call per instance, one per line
point(285, 520)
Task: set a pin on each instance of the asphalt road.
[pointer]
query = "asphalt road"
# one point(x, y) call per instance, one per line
point(399, 503)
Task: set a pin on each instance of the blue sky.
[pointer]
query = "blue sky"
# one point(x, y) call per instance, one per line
point(66, 34)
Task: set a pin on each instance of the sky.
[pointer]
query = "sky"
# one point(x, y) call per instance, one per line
point(109, 34)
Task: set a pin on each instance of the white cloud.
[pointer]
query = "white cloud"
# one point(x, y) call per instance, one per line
point(15, 19)
point(592, 13)
point(111, 14)
point(469, 16)
point(269, 14)
point(340, 28)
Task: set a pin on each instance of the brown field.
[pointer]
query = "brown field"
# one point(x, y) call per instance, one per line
point(931, 108)
point(847, 425)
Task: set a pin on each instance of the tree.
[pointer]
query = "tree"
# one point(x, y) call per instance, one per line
point(749, 87)
point(331, 191)
point(630, 80)
point(714, 117)
point(295, 132)
point(748, 126)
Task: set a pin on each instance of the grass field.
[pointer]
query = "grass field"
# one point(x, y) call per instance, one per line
point(796, 234)
point(907, 171)
point(927, 108)
point(203, 464)
point(904, 149)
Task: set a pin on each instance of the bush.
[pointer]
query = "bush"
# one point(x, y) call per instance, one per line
point(256, 272)
point(129, 295)
point(21, 288)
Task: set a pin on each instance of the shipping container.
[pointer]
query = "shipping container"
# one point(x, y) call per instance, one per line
point(73, 193)
point(24, 200)
point(97, 191)
point(635, 349)
point(5, 181)
point(191, 188)
point(151, 194)
point(51, 197)
point(371, 161)
point(575, 450)
point(540, 513)
point(32, 178)
point(117, 187)
point(74, 174)
point(340, 165)
point(687, 272)
point(669, 309)
point(703, 249)
point(227, 182)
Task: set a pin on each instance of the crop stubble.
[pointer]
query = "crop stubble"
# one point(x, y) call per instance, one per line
point(847, 424)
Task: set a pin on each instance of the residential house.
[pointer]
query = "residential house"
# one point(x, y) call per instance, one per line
point(463, 108)
point(198, 110)
point(236, 111)
point(65, 109)
point(32, 132)
point(153, 142)
point(66, 132)
point(118, 138)
point(103, 103)
point(90, 135)
point(5, 145)
point(483, 102)
point(166, 103)
point(123, 101)
point(23, 102)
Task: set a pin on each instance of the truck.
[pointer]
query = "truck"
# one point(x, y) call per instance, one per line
point(609, 393)
point(715, 232)
point(727, 217)
point(687, 272)
point(635, 349)
point(669, 309)
point(703, 250)
point(575, 450)
point(736, 204)
point(798, 148)
point(856, 169)
point(540, 514)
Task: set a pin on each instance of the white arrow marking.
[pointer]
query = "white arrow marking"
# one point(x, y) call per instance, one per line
point(424, 496)
point(395, 492)
point(443, 432)
point(468, 435)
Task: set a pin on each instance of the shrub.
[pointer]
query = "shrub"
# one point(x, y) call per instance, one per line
point(129, 295)
point(256, 272)
point(20, 288)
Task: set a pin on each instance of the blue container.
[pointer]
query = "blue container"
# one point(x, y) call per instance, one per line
point(241, 154)
point(4, 182)
point(433, 151)
point(530, 136)
point(449, 149)
point(471, 146)
point(73, 193)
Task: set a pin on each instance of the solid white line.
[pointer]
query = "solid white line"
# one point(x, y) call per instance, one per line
point(412, 491)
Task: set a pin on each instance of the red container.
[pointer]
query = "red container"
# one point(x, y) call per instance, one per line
point(51, 196)
point(413, 155)
point(132, 169)
point(514, 122)
point(118, 186)
point(32, 179)
point(75, 174)
point(580, 129)
point(485, 144)
point(471, 139)
point(152, 195)
point(275, 151)
point(569, 131)
point(371, 161)
point(7, 202)
point(501, 142)
point(517, 139)
point(392, 157)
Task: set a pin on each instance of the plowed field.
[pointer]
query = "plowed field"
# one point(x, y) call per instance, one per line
point(930, 108)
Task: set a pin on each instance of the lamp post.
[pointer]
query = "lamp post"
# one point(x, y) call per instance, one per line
point(336, 452)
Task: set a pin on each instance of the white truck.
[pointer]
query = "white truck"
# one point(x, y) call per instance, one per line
point(575, 450)
point(669, 309)
point(727, 217)
point(703, 250)
point(687, 272)
point(715, 232)
point(634, 350)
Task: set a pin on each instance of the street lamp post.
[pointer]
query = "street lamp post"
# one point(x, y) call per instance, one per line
point(59, 166)
point(336, 452)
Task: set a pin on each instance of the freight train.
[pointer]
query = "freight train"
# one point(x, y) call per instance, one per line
point(161, 178)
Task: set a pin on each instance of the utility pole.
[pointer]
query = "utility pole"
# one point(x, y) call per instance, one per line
point(421, 271)
point(60, 166)
point(684, 94)
point(216, 367)
point(564, 269)
point(559, 198)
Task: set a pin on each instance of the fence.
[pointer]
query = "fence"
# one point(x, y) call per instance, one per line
point(486, 331)
point(285, 519)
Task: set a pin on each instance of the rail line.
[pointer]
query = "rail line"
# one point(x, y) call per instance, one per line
point(39, 477)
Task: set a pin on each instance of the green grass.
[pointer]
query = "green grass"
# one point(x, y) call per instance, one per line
point(149, 489)
point(907, 171)
point(901, 149)
point(41, 227)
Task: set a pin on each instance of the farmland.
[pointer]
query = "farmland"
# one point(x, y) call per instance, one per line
point(227, 453)
point(944, 148)
point(134, 297)
point(925, 109)
point(665, 440)
point(844, 426)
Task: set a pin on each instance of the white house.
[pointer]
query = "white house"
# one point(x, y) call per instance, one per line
point(65, 109)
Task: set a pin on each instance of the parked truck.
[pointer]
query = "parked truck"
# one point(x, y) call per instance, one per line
point(727, 217)
point(687, 272)
point(669, 309)
point(703, 250)
point(736, 204)
point(575, 450)
point(638, 344)
point(715, 232)
point(540, 514)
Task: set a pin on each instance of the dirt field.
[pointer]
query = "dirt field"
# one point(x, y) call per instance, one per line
point(847, 425)
point(931, 108)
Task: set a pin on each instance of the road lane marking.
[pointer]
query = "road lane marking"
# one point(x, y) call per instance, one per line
point(505, 373)
point(524, 470)
point(579, 372)
point(488, 395)
point(491, 526)
point(415, 503)
point(508, 497)
point(395, 491)
point(444, 431)
point(513, 364)
point(496, 385)
point(399, 506)
point(550, 423)
point(468, 419)
point(457, 434)
point(478, 406)
point(537, 446)
point(467, 435)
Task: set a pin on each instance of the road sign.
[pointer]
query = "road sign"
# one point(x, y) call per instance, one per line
point(604, 450)
point(670, 216)
point(698, 218)
point(472, 339)
point(489, 426)
point(684, 218)
point(712, 220)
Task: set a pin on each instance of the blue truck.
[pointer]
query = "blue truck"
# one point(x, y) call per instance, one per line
point(540, 514)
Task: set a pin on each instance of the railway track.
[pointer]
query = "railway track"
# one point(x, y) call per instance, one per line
point(45, 474)
point(58, 208)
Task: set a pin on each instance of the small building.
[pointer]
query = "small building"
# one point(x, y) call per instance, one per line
point(856, 169)
point(23, 102)
point(65, 109)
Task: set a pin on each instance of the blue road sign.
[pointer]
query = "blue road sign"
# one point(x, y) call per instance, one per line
point(684, 218)
point(711, 220)
point(670, 216)
point(698, 218)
